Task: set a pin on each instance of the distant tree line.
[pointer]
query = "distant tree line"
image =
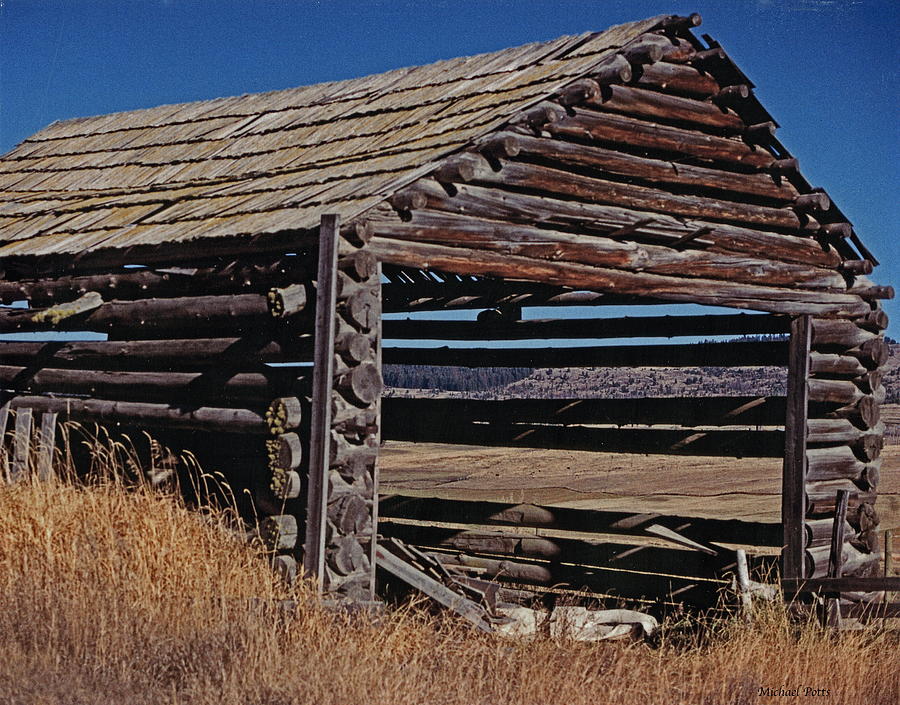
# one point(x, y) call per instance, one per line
point(453, 379)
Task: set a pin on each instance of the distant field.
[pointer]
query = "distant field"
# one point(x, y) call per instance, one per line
point(725, 488)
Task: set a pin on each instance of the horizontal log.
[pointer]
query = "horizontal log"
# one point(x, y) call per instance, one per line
point(361, 385)
point(833, 364)
point(834, 391)
point(844, 584)
point(619, 130)
point(870, 611)
point(472, 293)
point(699, 411)
point(757, 444)
point(828, 333)
point(554, 245)
point(816, 561)
point(578, 92)
point(866, 443)
point(614, 69)
point(566, 184)
point(704, 291)
point(677, 79)
point(646, 49)
point(733, 96)
point(655, 171)
point(155, 386)
point(238, 276)
point(196, 313)
point(279, 532)
point(628, 327)
point(172, 354)
point(875, 321)
point(631, 100)
point(820, 496)
point(865, 413)
point(838, 463)
point(817, 532)
point(202, 418)
point(526, 209)
point(872, 353)
point(689, 355)
point(592, 579)
point(583, 520)
point(285, 414)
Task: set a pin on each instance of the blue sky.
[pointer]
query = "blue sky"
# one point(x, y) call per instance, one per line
point(827, 70)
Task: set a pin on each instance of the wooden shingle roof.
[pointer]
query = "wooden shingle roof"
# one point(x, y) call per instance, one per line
point(271, 162)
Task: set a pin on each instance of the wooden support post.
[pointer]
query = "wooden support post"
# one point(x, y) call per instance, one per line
point(794, 468)
point(46, 446)
point(836, 558)
point(888, 560)
point(376, 470)
point(743, 584)
point(320, 421)
point(19, 469)
point(4, 456)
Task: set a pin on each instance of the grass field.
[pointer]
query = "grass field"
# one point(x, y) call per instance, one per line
point(125, 597)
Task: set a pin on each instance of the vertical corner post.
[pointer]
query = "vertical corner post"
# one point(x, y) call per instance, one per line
point(793, 484)
point(320, 420)
point(342, 490)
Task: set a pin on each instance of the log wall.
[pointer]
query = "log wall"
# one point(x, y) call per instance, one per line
point(221, 361)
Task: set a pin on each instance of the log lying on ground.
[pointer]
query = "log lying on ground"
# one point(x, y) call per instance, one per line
point(496, 204)
point(554, 245)
point(619, 130)
point(599, 580)
point(655, 171)
point(702, 411)
point(175, 354)
point(194, 313)
point(688, 355)
point(155, 386)
point(628, 327)
point(140, 414)
point(728, 443)
point(704, 291)
point(236, 277)
point(568, 519)
point(618, 555)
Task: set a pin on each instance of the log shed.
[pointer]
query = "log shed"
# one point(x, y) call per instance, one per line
point(239, 255)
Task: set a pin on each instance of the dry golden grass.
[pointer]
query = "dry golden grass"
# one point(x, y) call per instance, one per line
point(115, 595)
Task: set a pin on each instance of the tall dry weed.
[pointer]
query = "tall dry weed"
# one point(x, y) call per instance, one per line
point(115, 593)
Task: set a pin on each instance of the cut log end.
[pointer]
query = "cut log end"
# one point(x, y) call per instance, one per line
point(287, 301)
point(362, 385)
point(616, 70)
point(284, 414)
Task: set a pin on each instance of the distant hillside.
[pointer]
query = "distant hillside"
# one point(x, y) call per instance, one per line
point(499, 383)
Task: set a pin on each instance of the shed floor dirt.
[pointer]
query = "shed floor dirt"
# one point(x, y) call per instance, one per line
point(720, 488)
